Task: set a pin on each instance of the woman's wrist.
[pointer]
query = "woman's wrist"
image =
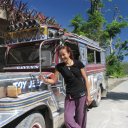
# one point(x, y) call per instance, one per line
point(88, 94)
point(46, 80)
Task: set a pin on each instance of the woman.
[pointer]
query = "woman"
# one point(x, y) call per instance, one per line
point(77, 88)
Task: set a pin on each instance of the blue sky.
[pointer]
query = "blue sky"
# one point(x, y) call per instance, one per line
point(64, 10)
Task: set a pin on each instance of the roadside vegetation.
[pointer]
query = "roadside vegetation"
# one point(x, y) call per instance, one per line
point(107, 34)
point(114, 66)
point(125, 68)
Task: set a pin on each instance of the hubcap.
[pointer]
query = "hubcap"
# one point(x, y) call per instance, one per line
point(36, 125)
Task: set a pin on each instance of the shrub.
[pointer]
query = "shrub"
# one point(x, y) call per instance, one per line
point(114, 67)
point(125, 67)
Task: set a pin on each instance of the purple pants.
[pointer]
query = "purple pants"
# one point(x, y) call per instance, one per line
point(75, 112)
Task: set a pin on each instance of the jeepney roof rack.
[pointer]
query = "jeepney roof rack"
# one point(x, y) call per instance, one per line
point(84, 38)
point(43, 36)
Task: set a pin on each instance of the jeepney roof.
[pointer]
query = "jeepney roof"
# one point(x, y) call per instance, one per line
point(83, 40)
point(37, 42)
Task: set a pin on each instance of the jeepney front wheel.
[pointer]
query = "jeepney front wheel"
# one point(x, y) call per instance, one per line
point(34, 120)
point(97, 98)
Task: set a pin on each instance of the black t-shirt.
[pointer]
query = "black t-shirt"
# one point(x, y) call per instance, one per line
point(73, 78)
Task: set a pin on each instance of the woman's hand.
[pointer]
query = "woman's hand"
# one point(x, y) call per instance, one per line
point(41, 77)
point(89, 100)
point(47, 80)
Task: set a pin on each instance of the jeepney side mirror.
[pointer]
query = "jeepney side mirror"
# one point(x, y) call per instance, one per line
point(46, 58)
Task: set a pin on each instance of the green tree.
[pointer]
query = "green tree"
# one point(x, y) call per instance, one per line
point(93, 27)
point(96, 26)
point(77, 22)
point(113, 29)
point(114, 60)
point(121, 49)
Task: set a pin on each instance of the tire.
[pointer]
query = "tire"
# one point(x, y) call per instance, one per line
point(34, 120)
point(97, 98)
point(63, 126)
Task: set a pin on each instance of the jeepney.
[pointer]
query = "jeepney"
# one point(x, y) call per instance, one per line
point(27, 102)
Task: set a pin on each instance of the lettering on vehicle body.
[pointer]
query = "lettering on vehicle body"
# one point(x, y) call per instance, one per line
point(28, 84)
point(27, 67)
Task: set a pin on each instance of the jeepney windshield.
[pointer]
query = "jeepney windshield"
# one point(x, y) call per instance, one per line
point(27, 54)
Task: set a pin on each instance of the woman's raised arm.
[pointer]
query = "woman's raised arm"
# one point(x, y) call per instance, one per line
point(50, 81)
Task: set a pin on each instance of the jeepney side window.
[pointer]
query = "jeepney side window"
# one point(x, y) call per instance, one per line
point(103, 57)
point(98, 57)
point(90, 56)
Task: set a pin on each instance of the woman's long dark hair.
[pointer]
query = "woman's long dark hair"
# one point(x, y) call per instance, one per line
point(68, 49)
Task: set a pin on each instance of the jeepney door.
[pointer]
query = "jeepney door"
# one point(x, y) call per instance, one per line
point(57, 89)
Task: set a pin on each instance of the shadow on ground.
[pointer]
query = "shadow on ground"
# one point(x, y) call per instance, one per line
point(117, 96)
